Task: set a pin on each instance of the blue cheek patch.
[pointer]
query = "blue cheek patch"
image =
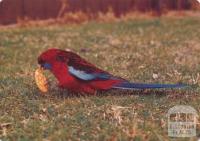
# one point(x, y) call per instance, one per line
point(47, 66)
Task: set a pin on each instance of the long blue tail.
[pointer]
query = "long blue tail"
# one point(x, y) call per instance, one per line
point(128, 85)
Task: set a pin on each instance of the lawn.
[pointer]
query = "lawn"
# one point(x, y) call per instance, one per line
point(161, 50)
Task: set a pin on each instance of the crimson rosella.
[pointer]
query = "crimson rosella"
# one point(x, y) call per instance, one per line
point(76, 74)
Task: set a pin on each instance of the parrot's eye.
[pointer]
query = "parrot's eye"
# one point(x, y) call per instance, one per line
point(60, 58)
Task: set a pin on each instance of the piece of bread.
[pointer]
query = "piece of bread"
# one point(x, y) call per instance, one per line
point(41, 80)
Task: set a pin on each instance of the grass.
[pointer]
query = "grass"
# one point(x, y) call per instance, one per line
point(157, 50)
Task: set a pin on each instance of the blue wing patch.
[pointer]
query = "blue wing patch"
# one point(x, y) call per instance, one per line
point(88, 76)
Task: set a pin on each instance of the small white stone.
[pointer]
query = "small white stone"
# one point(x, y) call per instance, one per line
point(155, 76)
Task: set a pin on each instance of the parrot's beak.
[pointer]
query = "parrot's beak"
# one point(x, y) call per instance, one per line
point(44, 64)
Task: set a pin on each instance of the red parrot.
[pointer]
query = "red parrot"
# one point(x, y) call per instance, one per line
point(76, 74)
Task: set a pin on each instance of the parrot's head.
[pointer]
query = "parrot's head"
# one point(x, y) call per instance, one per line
point(52, 56)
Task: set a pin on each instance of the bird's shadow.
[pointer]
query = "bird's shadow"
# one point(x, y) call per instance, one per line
point(64, 94)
